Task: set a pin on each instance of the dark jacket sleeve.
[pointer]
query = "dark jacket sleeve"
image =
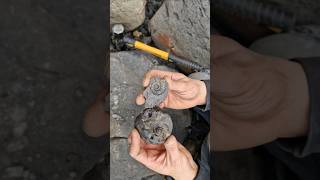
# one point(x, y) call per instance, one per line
point(302, 147)
point(206, 107)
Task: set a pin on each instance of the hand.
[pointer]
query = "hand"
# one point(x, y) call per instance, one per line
point(256, 98)
point(170, 158)
point(95, 123)
point(183, 93)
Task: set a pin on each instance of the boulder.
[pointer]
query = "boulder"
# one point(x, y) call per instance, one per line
point(184, 27)
point(130, 13)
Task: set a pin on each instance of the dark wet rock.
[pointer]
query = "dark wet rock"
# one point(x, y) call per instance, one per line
point(185, 27)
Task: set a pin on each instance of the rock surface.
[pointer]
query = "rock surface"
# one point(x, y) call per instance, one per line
point(130, 13)
point(127, 71)
point(185, 27)
point(49, 74)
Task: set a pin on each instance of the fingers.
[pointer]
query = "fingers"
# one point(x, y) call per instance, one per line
point(140, 100)
point(161, 74)
point(172, 147)
point(186, 152)
point(176, 85)
point(134, 141)
point(162, 105)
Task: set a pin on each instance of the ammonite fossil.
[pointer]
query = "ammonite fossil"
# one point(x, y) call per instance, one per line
point(154, 126)
point(156, 92)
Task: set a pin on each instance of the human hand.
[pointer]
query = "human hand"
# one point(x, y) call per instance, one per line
point(256, 98)
point(170, 158)
point(95, 122)
point(183, 92)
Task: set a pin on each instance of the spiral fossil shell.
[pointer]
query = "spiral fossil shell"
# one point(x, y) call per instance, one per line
point(154, 126)
point(156, 92)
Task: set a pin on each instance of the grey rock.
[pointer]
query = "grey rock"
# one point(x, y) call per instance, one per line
point(183, 26)
point(130, 13)
point(122, 166)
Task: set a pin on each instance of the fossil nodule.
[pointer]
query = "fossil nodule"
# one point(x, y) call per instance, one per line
point(156, 92)
point(154, 126)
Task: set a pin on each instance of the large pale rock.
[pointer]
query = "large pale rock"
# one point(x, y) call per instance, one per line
point(130, 13)
point(185, 27)
point(126, 75)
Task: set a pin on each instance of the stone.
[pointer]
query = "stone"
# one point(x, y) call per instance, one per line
point(122, 166)
point(130, 13)
point(156, 92)
point(184, 27)
point(154, 126)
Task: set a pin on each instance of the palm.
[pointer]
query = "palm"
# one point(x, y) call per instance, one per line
point(154, 155)
point(252, 95)
point(183, 98)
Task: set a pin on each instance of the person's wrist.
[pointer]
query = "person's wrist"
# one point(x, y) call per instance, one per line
point(191, 175)
point(202, 93)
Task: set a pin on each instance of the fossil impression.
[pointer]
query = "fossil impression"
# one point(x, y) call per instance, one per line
point(154, 126)
point(156, 92)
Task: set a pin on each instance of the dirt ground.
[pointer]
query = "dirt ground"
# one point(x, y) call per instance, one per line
point(52, 64)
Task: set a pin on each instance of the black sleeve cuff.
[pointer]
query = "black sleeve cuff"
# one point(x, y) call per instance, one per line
point(302, 147)
point(206, 107)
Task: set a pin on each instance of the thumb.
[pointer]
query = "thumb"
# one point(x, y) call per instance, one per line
point(172, 147)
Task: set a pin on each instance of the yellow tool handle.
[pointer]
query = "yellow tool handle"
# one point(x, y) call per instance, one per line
point(157, 52)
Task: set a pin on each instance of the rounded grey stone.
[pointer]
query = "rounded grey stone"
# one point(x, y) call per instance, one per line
point(154, 126)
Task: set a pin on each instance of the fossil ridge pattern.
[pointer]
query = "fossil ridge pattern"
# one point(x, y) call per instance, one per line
point(156, 92)
point(154, 126)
